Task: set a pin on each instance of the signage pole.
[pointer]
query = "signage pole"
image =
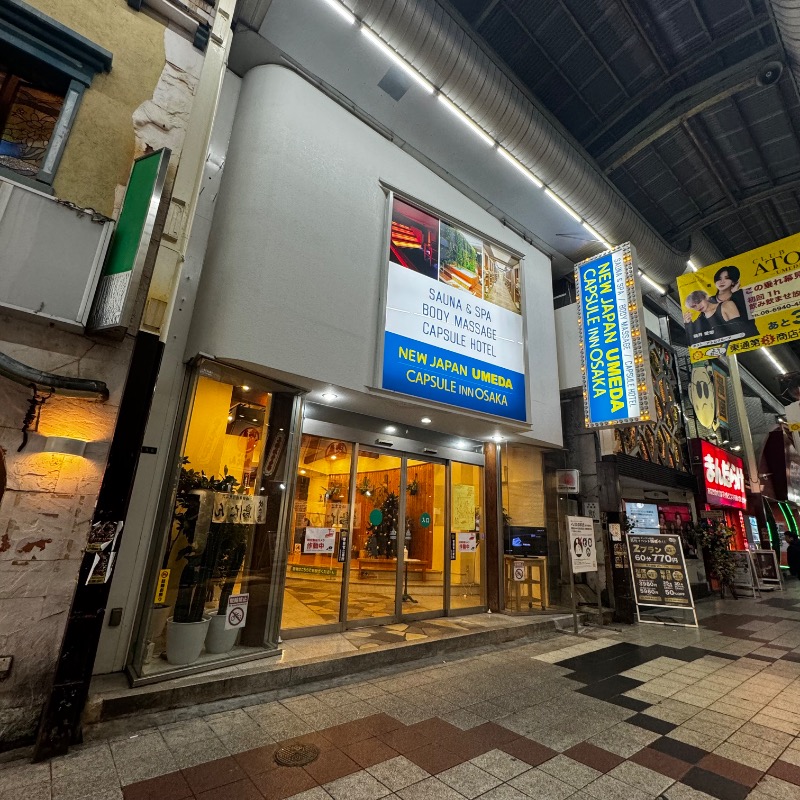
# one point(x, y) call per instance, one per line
point(572, 591)
point(744, 426)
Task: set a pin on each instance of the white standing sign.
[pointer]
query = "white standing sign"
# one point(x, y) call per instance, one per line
point(236, 613)
point(581, 542)
point(319, 540)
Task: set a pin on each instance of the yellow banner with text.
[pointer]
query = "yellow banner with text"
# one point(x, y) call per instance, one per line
point(743, 303)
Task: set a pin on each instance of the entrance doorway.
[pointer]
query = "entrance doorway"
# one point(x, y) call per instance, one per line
point(380, 537)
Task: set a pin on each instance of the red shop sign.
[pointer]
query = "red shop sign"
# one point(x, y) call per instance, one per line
point(723, 476)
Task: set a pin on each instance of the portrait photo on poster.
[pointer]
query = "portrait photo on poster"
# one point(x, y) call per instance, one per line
point(743, 303)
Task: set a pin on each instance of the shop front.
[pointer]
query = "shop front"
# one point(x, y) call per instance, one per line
point(722, 486)
point(780, 465)
point(358, 375)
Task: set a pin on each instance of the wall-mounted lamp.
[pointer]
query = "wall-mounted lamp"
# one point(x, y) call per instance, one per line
point(64, 445)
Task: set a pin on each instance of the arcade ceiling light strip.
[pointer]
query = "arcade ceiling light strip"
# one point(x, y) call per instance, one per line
point(775, 362)
point(420, 79)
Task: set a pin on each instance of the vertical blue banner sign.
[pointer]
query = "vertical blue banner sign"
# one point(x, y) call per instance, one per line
point(614, 363)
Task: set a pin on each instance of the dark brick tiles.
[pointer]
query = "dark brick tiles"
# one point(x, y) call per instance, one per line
point(685, 752)
point(715, 785)
point(651, 723)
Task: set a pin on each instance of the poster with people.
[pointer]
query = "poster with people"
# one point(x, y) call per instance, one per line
point(744, 303)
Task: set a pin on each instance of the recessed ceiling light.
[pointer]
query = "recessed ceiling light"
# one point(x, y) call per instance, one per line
point(283, 486)
point(391, 429)
point(426, 420)
point(333, 458)
point(245, 388)
point(461, 443)
point(230, 417)
point(302, 472)
point(497, 438)
point(330, 396)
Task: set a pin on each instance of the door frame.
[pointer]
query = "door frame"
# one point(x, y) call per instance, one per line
point(363, 438)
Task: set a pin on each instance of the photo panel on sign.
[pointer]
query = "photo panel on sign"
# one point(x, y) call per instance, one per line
point(414, 239)
point(461, 259)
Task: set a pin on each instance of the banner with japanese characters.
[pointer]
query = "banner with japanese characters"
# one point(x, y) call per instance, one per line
point(659, 571)
point(743, 303)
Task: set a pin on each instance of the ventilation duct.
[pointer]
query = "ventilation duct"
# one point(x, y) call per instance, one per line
point(446, 54)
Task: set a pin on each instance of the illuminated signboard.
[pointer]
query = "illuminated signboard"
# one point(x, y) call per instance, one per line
point(453, 325)
point(614, 363)
point(722, 475)
point(744, 303)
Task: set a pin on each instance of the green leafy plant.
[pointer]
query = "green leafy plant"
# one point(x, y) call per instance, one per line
point(212, 557)
point(715, 541)
point(413, 487)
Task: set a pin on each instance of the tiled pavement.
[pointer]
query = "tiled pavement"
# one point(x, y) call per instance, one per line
point(637, 713)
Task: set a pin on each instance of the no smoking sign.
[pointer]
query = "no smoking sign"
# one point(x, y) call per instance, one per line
point(236, 615)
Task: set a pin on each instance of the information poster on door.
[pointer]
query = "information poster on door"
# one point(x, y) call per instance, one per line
point(319, 540)
point(582, 546)
point(467, 542)
point(464, 507)
point(659, 571)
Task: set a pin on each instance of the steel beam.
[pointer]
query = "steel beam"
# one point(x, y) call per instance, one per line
point(685, 105)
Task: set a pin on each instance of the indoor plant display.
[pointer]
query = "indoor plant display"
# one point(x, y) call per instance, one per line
point(211, 551)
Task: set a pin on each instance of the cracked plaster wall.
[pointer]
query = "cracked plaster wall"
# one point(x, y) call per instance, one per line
point(45, 513)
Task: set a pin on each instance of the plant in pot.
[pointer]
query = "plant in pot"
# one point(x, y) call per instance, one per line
point(229, 540)
point(193, 515)
point(413, 487)
point(714, 541)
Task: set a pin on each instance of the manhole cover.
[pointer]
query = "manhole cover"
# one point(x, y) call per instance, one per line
point(296, 755)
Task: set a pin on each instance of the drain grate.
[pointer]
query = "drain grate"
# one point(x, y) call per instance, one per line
point(296, 755)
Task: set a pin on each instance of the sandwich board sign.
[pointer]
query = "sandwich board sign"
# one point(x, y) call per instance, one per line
point(659, 575)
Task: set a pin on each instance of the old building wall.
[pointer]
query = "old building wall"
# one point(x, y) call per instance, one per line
point(144, 103)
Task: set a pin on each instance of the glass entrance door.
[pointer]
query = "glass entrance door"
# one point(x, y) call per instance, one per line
point(397, 558)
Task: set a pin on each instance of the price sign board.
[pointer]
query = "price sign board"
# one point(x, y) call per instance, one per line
point(744, 575)
point(582, 549)
point(659, 572)
point(766, 566)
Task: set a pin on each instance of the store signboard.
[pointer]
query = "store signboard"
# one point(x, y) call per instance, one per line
point(722, 475)
point(617, 384)
point(744, 571)
point(582, 547)
point(766, 566)
point(659, 572)
point(454, 329)
point(568, 481)
point(744, 303)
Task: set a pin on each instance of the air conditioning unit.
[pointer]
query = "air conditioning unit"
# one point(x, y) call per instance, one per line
point(51, 255)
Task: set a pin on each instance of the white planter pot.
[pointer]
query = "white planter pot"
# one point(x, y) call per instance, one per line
point(218, 640)
point(158, 620)
point(185, 641)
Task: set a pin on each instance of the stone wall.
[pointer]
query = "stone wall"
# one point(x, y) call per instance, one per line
point(45, 512)
point(47, 506)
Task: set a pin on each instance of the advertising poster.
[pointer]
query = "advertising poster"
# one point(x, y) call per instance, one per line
point(643, 517)
point(582, 549)
point(617, 385)
point(467, 542)
point(743, 303)
point(659, 572)
point(743, 575)
point(766, 566)
point(453, 326)
point(319, 540)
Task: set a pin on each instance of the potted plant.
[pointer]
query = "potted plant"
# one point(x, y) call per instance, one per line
point(193, 515)
point(230, 542)
point(714, 541)
point(413, 487)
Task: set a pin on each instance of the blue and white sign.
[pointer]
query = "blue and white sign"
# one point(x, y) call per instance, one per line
point(615, 366)
point(453, 327)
